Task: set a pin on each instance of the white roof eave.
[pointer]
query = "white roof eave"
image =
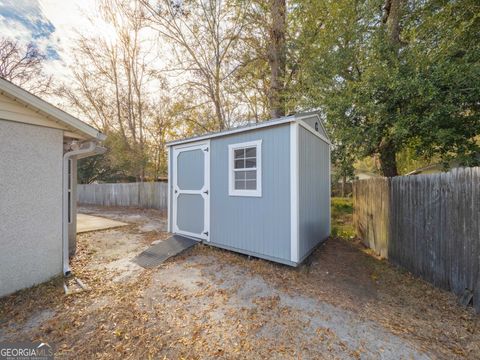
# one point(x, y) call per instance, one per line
point(279, 121)
point(261, 125)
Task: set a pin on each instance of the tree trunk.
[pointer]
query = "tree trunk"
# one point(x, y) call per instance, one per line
point(344, 180)
point(277, 58)
point(392, 18)
point(388, 161)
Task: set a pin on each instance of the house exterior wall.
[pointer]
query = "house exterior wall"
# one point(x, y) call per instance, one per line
point(314, 191)
point(15, 111)
point(30, 205)
point(258, 226)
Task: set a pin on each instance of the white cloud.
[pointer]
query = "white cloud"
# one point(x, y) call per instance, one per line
point(63, 20)
point(69, 19)
point(51, 24)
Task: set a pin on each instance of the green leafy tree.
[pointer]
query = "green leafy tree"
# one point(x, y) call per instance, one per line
point(342, 159)
point(397, 74)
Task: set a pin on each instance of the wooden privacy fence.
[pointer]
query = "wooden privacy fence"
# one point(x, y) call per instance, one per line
point(145, 195)
point(427, 224)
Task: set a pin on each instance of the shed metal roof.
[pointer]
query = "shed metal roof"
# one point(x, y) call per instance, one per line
point(76, 125)
point(248, 127)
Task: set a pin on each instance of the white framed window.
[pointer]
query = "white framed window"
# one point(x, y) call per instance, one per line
point(245, 169)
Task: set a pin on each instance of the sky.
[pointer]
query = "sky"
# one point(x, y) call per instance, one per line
point(50, 24)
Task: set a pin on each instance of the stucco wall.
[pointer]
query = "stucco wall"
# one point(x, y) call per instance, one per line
point(30, 205)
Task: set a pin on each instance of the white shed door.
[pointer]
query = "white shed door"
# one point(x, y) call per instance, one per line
point(191, 190)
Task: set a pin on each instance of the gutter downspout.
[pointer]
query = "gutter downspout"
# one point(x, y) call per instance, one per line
point(67, 156)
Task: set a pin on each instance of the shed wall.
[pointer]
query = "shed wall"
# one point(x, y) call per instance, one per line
point(314, 191)
point(311, 122)
point(258, 226)
point(30, 205)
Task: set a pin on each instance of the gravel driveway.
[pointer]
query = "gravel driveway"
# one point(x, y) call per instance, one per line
point(208, 303)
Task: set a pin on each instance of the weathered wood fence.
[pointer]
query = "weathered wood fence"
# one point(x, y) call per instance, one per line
point(427, 224)
point(145, 195)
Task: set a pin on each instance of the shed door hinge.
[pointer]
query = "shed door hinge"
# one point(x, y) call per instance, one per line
point(206, 149)
point(206, 233)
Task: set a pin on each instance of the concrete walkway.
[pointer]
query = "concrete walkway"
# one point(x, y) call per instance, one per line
point(87, 223)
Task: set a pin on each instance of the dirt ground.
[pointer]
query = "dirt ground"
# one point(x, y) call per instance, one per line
point(208, 303)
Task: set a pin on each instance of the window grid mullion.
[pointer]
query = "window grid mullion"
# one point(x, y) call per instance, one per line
point(243, 160)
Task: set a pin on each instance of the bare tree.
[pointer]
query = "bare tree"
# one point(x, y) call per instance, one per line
point(23, 65)
point(204, 36)
point(277, 57)
point(113, 82)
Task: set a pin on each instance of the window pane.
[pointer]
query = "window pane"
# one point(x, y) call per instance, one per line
point(250, 163)
point(239, 153)
point(240, 185)
point(251, 175)
point(251, 152)
point(239, 164)
point(240, 175)
point(251, 184)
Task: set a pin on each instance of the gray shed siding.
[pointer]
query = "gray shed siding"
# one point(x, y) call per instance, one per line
point(314, 192)
point(30, 205)
point(258, 226)
point(312, 120)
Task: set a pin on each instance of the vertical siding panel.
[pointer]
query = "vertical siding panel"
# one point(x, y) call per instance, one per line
point(314, 215)
point(256, 226)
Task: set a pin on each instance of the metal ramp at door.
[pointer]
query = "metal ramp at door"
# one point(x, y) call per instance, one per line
point(158, 253)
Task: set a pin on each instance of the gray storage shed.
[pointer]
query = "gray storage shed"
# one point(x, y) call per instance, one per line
point(261, 190)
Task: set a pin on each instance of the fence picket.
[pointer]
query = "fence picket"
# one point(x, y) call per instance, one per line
point(427, 224)
point(144, 195)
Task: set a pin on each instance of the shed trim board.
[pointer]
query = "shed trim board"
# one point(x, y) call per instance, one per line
point(204, 146)
point(169, 192)
point(274, 122)
point(294, 193)
point(330, 190)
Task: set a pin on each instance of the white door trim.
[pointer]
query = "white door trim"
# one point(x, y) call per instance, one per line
point(204, 191)
point(169, 186)
point(294, 193)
